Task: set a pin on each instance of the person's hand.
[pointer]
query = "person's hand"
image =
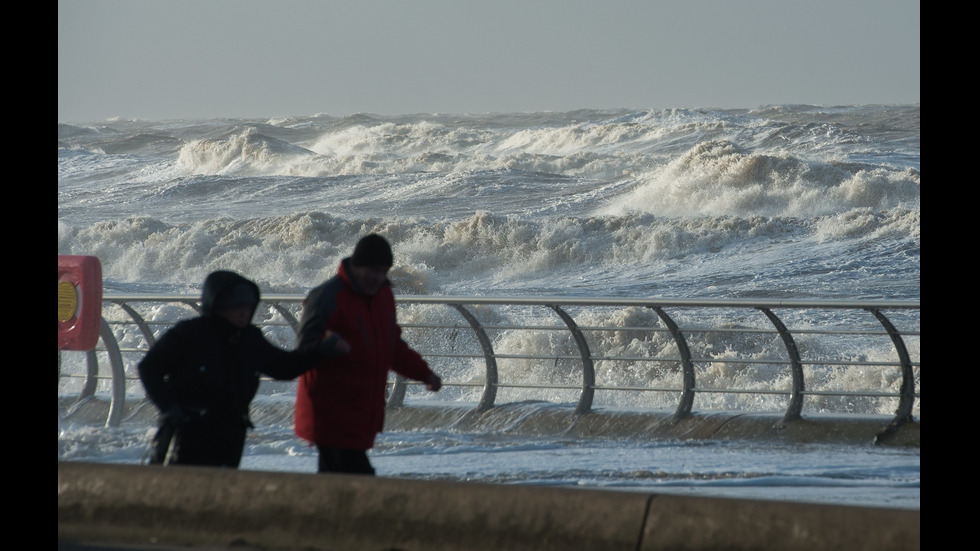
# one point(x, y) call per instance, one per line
point(333, 344)
point(433, 382)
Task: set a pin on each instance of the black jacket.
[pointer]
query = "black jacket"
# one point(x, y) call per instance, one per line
point(209, 367)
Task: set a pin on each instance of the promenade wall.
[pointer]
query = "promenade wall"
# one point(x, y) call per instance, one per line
point(194, 507)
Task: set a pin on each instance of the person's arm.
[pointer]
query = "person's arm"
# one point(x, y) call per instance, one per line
point(284, 365)
point(317, 308)
point(409, 363)
point(433, 382)
point(406, 361)
point(167, 354)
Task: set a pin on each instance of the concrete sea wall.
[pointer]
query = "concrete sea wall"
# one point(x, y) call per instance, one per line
point(198, 508)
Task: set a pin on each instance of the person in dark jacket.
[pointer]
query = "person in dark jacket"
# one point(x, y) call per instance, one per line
point(203, 373)
point(340, 404)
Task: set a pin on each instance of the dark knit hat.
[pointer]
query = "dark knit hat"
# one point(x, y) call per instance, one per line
point(372, 250)
point(240, 294)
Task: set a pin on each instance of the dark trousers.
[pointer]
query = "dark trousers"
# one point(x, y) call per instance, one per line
point(340, 460)
point(201, 441)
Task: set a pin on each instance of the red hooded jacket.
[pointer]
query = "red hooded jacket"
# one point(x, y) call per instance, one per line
point(341, 402)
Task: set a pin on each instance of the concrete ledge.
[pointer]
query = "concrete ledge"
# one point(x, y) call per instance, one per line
point(204, 507)
point(542, 418)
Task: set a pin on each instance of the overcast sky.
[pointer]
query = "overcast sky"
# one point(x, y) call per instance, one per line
point(169, 59)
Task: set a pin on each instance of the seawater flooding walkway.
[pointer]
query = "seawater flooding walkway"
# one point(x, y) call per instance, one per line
point(793, 358)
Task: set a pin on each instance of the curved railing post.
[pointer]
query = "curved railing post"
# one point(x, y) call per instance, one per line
point(490, 386)
point(907, 393)
point(796, 368)
point(140, 322)
point(91, 375)
point(396, 398)
point(91, 380)
point(132, 306)
point(588, 368)
point(147, 333)
point(118, 375)
point(687, 395)
point(290, 318)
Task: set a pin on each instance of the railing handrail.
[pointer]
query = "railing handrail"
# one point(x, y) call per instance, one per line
point(559, 305)
point(569, 301)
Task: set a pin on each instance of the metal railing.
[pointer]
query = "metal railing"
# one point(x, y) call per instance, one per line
point(702, 337)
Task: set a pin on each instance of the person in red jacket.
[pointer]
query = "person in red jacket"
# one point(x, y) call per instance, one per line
point(340, 403)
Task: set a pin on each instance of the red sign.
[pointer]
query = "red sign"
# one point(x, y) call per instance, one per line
point(79, 302)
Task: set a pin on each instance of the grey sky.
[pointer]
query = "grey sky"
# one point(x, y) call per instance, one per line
point(261, 58)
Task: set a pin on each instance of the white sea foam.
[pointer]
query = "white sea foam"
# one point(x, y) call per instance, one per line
point(782, 201)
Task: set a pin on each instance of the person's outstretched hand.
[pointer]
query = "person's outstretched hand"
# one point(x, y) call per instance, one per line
point(433, 382)
point(333, 344)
